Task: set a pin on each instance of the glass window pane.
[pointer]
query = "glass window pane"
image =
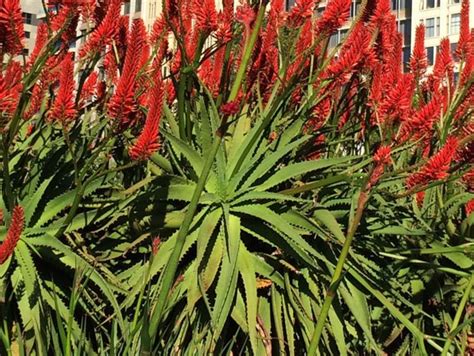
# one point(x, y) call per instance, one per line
point(455, 24)
point(430, 55)
point(430, 27)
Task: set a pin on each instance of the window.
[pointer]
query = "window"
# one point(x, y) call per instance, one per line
point(342, 35)
point(354, 9)
point(27, 34)
point(138, 5)
point(431, 4)
point(405, 30)
point(430, 53)
point(401, 4)
point(438, 22)
point(26, 51)
point(454, 46)
point(455, 24)
point(430, 27)
point(126, 8)
point(455, 1)
point(27, 18)
point(334, 40)
point(406, 58)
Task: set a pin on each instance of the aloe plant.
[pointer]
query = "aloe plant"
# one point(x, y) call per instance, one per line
point(227, 182)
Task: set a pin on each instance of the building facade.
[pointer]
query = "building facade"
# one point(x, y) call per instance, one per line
point(442, 18)
point(32, 13)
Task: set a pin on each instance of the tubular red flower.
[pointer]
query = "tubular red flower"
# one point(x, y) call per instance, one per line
point(381, 14)
point(13, 235)
point(63, 108)
point(444, 65)
point(437, 167)
point(41, 39)
point(355, 50)
point(159, 31)
point(421, 123)
point(246, 16)
point(123, 104)
point(335, 15)
point(465, 33)
point(10, 88)
point(300, 12)
point(230, 108)
point(397, 102)
point(89, 88)
point(155, 245)
point(419, 60)
point(382, 157)
point(11, 27)
point(104, 32)
point(66, 20)
point(223, 32)
point(205, 13)
point(469, 207)
point(147, 143)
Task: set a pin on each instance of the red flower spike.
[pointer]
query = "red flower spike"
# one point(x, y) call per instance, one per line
point(246, 16)
point(13, 235)
point(159, 31)
point(300, 12)
point(444, 65)
point(123, 105)
point(223, 32)
point(421, 123)
point(205, 13)
point(463, 47)
point(63, 108)
point(381, 159)
point(397, 103)
point(230, 108)
point(437, 167)
point(419, 60)
point(147, 143)
point(155, 245)
point(10, 88)
point(381, 14)
point(89, 88)
point(469, 207)
point(335, 15)
point(105, 31)
point(11, 27)
point(383, 155)
point(66, 20)
point(41, 39)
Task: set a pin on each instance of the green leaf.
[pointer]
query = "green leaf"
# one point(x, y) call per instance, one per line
point(247, 271)
point(297, 169)
point(271, 160)
point(227, 282)
point(327, 219)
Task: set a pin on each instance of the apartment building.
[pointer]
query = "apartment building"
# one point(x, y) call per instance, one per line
point(442, 18)
point(32, 13)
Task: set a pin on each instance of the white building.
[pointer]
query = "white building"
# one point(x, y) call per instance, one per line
point(442, 18)
point(32, 13)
